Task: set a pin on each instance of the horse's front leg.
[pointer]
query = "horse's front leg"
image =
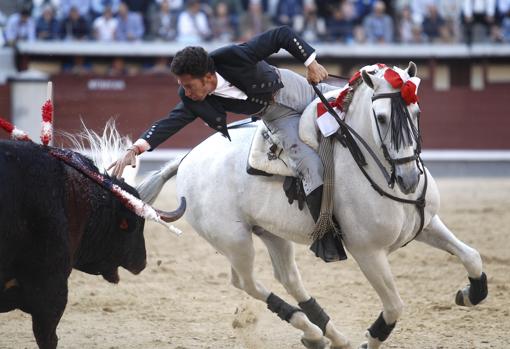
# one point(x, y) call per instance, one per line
point(437, 235)
point(377, 270)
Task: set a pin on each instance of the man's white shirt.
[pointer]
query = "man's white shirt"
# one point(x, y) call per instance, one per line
point(227, 90)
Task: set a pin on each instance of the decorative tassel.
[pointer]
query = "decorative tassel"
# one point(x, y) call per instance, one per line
point(47, 122)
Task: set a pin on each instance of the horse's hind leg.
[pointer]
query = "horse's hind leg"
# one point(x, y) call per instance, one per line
point(239, 250)
point(377, 270)
point(285, 269)
point(436, 234)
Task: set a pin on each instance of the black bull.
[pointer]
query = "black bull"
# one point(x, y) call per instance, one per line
point(53, 219)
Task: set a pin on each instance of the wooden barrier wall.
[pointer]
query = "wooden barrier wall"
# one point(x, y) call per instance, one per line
point(459, 118)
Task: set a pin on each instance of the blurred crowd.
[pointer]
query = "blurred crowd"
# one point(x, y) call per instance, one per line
point(195, 21)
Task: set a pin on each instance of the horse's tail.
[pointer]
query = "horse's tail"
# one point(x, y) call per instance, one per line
point(152, 184)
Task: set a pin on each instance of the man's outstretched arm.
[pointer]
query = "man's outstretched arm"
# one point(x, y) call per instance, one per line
point(262, 46)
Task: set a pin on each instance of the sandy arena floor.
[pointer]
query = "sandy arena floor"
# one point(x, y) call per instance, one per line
point(183, 300)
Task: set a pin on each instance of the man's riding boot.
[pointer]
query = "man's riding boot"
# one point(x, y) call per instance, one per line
point(328, 247)
point(314, 201)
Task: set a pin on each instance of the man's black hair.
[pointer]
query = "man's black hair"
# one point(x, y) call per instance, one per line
point(192, 60)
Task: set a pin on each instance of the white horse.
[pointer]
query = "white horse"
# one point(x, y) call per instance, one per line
point(226, 206)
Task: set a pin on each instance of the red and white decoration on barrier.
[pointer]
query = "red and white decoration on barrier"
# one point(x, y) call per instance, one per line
point(14, 133)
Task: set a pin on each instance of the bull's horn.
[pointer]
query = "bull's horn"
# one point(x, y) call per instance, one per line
point(173, 215)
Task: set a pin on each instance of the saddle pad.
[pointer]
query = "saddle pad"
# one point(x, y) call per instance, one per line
point(264, 159)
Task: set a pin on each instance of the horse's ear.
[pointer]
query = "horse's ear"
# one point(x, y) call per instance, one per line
point(367, 79)
point(411, 69)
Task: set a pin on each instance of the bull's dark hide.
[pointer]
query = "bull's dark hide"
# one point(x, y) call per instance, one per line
point(53, 219)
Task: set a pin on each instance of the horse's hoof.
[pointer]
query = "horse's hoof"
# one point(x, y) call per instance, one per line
point(459, 298)
point(474, 293)
point(310, 344)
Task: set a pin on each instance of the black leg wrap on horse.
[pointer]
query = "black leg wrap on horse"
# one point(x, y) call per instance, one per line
point(380, 329)
point(283, 309)
point(478, 290)
point(315, 313)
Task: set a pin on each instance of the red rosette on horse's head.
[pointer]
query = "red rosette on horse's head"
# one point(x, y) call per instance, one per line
point(408, 92)
point(393, 78)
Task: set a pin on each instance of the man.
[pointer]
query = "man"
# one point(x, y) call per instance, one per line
point(236, 78)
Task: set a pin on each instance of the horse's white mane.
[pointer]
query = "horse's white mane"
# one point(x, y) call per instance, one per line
point(103, 149)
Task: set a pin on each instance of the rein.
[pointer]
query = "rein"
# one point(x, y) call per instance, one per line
point(344, 136)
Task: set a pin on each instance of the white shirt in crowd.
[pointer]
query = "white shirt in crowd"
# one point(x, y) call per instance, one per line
point(105, 28)
point(479, 7)
point(191, 28)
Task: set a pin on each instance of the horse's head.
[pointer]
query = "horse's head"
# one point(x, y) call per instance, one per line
point(396, 121)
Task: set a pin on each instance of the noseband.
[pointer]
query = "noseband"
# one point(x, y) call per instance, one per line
point(396, 102)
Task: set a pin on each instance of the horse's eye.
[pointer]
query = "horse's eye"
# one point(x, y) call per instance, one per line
point(381, 119)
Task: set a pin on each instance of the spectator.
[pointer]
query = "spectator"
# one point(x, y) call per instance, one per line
point(163, 22)
point(341, 23)
point(176, 6)
point(221, 24)
point(362, 9)
point(3, 19)
point(82, 6)
point(78, 65)
point(419, 9)
point(105, 26)
point(478, 18)
point(289, 11)
point(97, 7)
point(74, 26)
point(254, 21)
point(234, 10)
point(38, 6)
point(20, 27)
point(434, 26)
point(505, 28)
point(47, 27)
point(451, 11)
point(378, 26)
point(129, 24)
point(311, 27)
point(192, 24)
point(405, 26)
point(160, 67)
point(118, 67)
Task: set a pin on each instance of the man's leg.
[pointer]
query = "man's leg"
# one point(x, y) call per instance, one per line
point(304, 160)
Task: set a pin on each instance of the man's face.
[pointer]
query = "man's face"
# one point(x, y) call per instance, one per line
point(195, 88)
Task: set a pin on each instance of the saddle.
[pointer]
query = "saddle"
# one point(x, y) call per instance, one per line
point(267, 156)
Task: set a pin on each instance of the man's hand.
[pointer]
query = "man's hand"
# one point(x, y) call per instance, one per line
point(129, 158)
point(315, 73)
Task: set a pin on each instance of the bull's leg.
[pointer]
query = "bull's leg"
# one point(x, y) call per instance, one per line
point(377, 270)
point(436, 234)
point(239, 250)
point(285, 270)
point(10, 297)
point(47, 306)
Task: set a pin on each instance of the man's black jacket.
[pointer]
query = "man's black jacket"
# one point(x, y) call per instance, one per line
point(243, 66)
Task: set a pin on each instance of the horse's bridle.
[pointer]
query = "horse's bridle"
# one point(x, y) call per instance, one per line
point(344, 136)
point(398, 161)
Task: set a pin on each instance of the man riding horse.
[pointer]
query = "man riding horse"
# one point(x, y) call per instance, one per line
point(236, 79)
